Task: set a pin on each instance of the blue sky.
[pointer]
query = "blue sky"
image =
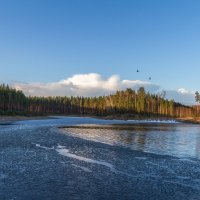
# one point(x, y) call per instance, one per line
point(51, 40)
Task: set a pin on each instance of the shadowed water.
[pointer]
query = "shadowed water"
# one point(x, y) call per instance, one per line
point(144, 160)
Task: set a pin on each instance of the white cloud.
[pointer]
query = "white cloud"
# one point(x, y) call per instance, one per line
point(182, 95)
point(183, 91)
point(93, 80)
point(94, 84)
point(83, 85)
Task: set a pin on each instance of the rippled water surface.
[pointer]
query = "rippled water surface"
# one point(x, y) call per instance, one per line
point(181, 140)
point(99, 159)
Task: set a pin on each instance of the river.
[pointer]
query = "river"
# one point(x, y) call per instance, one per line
point(99, 159)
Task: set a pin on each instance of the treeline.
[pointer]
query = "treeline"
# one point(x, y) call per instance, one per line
point(197, 97)
point(140, 103)
point(12, 101)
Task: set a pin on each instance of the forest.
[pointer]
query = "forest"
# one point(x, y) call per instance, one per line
point(138, 103)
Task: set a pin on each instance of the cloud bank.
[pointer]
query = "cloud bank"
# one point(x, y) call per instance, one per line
point(94, 84)
point(83, 85)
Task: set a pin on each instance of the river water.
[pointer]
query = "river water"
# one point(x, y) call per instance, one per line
point(97, 159)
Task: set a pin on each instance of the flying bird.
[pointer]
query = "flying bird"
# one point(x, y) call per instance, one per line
point(149, 78)
point(137, 70)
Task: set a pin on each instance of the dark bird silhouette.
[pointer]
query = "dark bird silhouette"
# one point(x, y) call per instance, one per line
point(137, 70)
point(149, 78)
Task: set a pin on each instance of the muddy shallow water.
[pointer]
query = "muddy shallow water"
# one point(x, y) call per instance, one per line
point(149, 161)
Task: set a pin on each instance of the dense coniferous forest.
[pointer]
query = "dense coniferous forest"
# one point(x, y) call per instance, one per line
point(138, 103)
point(12, 101)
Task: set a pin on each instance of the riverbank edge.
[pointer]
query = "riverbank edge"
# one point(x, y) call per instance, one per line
point(4, 119)
point(7, 120)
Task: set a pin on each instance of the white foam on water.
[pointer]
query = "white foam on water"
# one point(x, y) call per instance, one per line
point(155, 121)
point(141, 158)
point(85, 169)
point(65, 152)
point(60, 146)
point(185, 159)
point(43, 147)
